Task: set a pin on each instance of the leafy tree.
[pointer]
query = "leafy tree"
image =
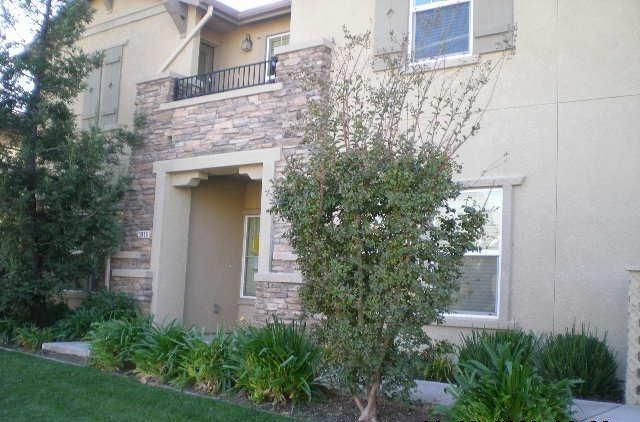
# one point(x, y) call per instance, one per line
point(369, 205)
point(59, 187)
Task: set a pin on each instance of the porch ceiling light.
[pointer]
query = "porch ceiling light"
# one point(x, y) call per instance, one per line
point(246, 45)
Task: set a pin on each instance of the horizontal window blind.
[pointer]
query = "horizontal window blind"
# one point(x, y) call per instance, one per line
point(441, 31)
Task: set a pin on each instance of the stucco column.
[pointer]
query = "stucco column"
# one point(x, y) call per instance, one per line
point(632, 382)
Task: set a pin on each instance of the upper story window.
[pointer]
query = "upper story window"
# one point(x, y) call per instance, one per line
point(480, 280)
point(440, 28)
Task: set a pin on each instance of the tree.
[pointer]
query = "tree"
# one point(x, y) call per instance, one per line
point(59, 188)
point(370, 212)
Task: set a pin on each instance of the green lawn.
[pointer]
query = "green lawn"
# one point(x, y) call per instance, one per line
point(33, 389)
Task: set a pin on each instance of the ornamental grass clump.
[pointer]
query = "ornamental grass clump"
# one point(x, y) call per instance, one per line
point(277, 362)
point(507, 388)
point(205, 364)
point(158, 351)
point(473, 347)
point(585, 356)
point(112, 343)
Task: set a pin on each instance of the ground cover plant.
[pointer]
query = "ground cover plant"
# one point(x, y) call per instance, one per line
point(102, 305)
point(159, 349)
point(581, 354)
point(31, 337)
point(507, 388)
point(112, 342)
point(277, 362)
point(478, 345)
point(206, 364)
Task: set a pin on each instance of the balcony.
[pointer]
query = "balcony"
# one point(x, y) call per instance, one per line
point(228, 79)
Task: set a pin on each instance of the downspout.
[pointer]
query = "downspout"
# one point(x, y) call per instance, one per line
point(186, 41)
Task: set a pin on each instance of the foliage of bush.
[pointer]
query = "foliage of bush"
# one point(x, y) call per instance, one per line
point(160, 348)
point(112, 342)
point(205, 365)
point(8, 329)
point(437, 362)
point(581, 355)
point(507, 388)
point(474, 346)
point(100, 306)
point(31, 337)
point(277, 362)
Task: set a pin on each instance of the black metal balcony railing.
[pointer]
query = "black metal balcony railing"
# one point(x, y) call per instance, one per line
point(226, 79)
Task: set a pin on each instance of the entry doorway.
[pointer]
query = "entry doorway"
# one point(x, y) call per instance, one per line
point(223, 251)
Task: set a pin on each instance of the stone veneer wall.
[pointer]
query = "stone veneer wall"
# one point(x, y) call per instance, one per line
point(632, 382)
point(252, 122)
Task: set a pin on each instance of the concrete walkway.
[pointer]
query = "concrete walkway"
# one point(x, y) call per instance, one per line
point(583, 410)
point(78, 349)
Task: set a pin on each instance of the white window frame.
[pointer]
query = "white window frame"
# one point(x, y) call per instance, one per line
point(413, 9)
point(244, 253)
point(484, 252)
point(502, 319)
point(270, 40)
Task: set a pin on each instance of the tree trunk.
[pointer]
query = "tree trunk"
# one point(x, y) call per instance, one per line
point(369, 413)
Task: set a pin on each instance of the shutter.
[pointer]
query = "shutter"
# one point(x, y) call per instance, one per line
point(492, 25)
point(391, 17)
point(91, 99)
point(110, 87)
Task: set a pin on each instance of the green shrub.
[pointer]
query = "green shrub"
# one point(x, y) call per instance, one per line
point(507, 388)
point(100, 306)
point(160, 348)
point(205, 365)
point(277, 362)
point(437, 362)
point(112, 342)
point(7, 331)
point(31, 337)
point(581, 355)
point(473, 346)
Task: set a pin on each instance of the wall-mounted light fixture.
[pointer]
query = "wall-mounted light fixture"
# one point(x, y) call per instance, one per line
point(246, 45)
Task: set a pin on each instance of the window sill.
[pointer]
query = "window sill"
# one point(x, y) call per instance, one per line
point(444, 63)
point(477, 322)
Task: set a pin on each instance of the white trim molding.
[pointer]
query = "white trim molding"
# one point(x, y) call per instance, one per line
point(172, 208)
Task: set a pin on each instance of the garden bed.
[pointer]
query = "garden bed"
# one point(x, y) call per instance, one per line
point(328, 406)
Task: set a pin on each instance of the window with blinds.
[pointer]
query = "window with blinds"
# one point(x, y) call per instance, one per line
point(480, 279)
point(440, 28)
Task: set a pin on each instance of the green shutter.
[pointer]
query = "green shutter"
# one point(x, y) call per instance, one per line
point(110, 87)
point(492, 25)
point(91, 99)
point(391, 17)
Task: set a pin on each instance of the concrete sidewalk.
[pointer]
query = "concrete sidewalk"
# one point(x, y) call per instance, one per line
point(583, 410)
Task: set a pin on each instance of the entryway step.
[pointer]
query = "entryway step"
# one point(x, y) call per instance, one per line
point(79, 349)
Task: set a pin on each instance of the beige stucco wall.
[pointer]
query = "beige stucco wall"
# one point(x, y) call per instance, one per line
point(565, 109)
point(148, 42)
point(150, 36)
point(227, 45)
